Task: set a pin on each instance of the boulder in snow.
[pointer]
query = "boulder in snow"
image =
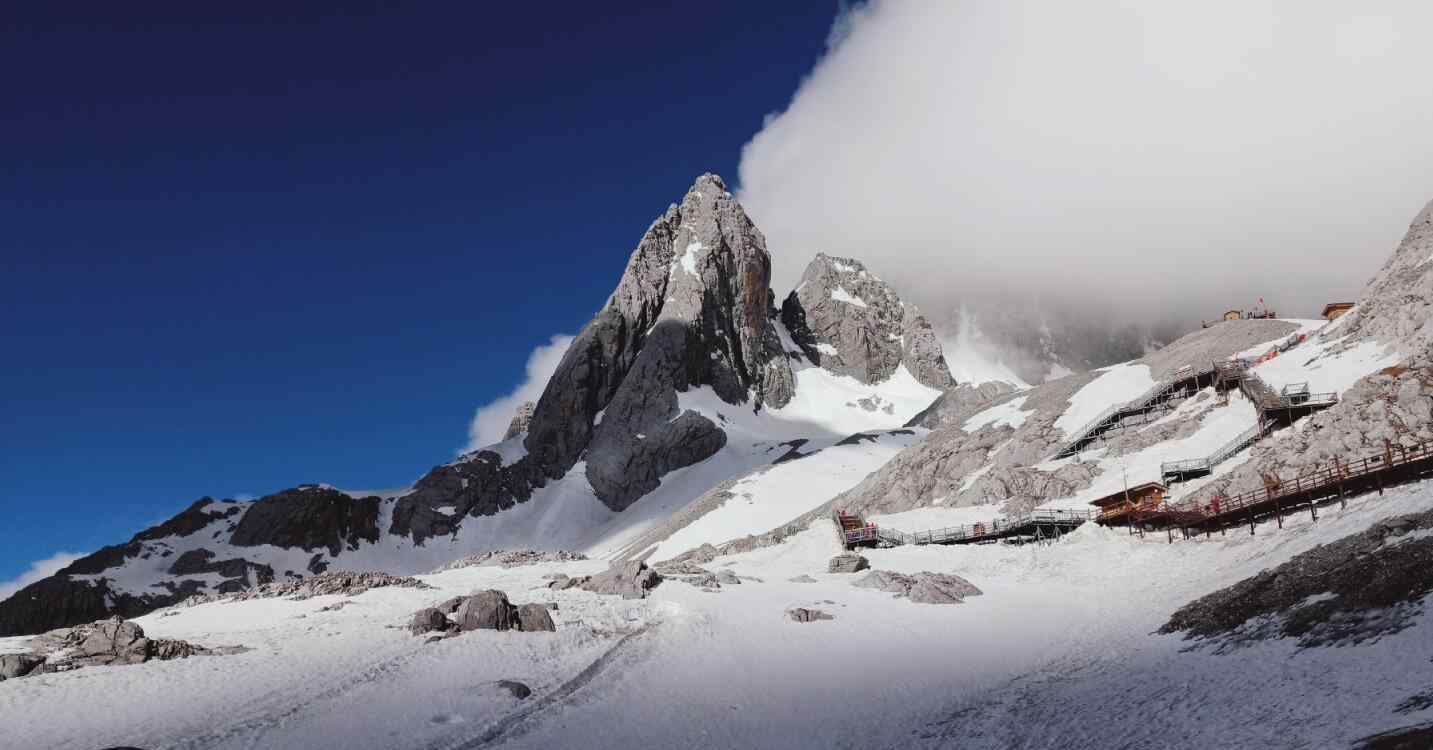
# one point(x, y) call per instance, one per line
point(848, 563)
point(18, 665)
point(428, 620)
point(803, 614)
point(486, 610)
point(532, 618)
point(631, 579)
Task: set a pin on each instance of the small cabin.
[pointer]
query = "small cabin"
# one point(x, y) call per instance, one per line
point(1145, 497)
point(1234, 315)
point(1335, 310)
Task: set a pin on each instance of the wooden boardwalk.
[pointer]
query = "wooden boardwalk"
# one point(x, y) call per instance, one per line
point(1320, 485)
point(1141, 411)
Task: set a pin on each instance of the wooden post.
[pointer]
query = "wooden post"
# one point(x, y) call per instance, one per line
point(1279, 512)
point(1342, 499)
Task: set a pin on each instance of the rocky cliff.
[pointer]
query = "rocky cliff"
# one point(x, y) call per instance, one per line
point(850, 322)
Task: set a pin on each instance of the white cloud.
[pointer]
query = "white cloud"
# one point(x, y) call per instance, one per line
point(38, 570)
point(491, 420)
point(1193, 156)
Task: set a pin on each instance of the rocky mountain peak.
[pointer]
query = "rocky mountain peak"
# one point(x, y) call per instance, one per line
point(849, 321)
point(1395, 306)
point(692, 309)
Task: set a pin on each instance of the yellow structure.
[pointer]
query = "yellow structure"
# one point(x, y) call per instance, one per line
point(1234, 315)
point(1335, 310)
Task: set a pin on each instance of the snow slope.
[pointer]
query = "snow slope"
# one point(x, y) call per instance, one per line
point(1058, 632)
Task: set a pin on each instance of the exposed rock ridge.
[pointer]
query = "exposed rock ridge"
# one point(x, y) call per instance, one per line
point(849, 321)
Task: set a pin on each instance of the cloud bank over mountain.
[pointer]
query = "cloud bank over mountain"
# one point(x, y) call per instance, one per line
point(1176, 159)
point(491, 420)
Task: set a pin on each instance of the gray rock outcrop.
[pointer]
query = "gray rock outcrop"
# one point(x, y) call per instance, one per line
point(309, 517)
point(631, 579)
point(803, 614)
point(850, 322)
point(1361, 587)
point(115, 641)
point(428, 620)
point(486, 610)
point(848, 563)
point(520, 420)
point(18, 665)
point(924, 587)
point(533, 618)
point(515, 689)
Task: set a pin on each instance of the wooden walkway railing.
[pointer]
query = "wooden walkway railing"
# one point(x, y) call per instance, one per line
point(1398, 463)
point(1158, 398)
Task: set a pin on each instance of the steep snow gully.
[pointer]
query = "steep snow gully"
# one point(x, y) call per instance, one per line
point(689, 457)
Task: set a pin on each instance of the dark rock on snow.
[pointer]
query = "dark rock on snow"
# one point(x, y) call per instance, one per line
point(517, 689)
point(520, 420)
point(428, 620)
point(18, 665)
point(631, 579)
point(924, 587)
point(1358, 588)
point(802, 614)
point(532, 618)
point(848, 563)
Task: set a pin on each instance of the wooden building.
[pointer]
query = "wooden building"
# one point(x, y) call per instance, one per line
point(1335, 310)
point(1234, 315)
point(1118, 508)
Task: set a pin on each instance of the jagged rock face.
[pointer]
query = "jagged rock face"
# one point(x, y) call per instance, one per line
point(477, 485)
point(309, 517)
point(61, 600)
point(520, 420)
point(921, 351)
point(693, 309)
point(1395, 307)
point(850, 322)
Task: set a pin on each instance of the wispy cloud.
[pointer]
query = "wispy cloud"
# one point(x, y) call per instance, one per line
point(492, 419)
point(38, 570)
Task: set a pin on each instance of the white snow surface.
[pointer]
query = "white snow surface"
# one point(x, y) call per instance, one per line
point(1116, 384)
point(841, 295)
point(1007, 414)
point(1059, 632)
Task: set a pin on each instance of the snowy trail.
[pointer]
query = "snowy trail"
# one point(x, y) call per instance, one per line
point(517, 724)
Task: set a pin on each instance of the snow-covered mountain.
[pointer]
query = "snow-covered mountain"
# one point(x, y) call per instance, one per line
point(696, 427)
point(686, 377)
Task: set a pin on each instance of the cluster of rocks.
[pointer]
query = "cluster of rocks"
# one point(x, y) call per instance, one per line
point(1358, 588)
point(512, 559)
point(630, 579)
point(848, 563)
point(108, 642)
point(804, 614)
point(485, 610)
point(924, 587)
point(695, 575)
point(346, 583)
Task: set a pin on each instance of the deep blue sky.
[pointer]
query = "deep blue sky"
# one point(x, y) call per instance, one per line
point(248, 249)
